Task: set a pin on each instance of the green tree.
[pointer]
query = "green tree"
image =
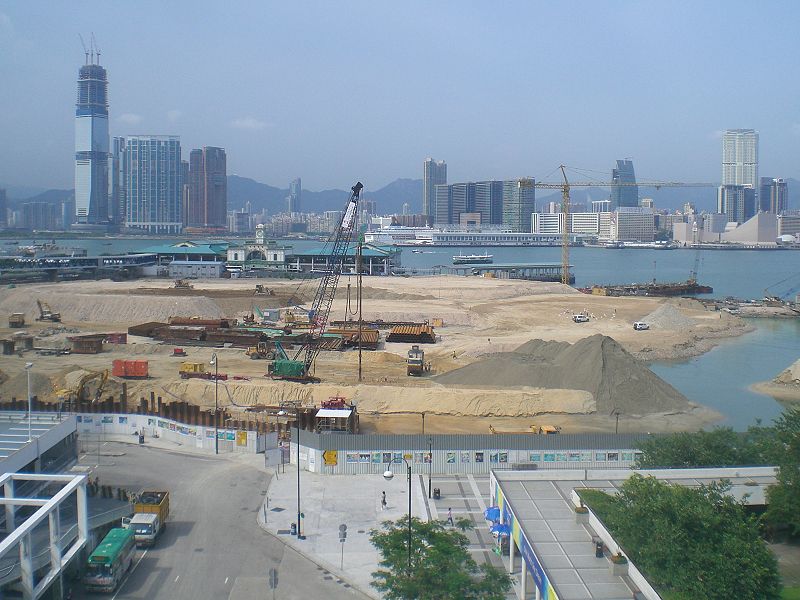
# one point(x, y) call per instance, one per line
point(690, 542)
point(441, 565)
point(783, 509)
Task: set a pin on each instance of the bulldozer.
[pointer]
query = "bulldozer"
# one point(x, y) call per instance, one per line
point(263, 350)
point(69, 398)
point(182, 284)
point(262, 290)
point(46, 313)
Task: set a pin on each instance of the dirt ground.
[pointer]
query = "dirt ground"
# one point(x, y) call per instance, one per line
point(481, 316)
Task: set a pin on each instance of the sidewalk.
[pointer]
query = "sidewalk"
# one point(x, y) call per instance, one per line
point(328, 501)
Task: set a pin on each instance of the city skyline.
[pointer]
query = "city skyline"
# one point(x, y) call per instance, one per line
point(292, 113)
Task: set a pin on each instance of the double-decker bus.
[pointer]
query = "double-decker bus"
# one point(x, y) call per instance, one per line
point(110, 561)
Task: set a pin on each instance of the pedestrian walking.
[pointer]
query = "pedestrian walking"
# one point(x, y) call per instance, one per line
point(450, 517)
point(383, 500)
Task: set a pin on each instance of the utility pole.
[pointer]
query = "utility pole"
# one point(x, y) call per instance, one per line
point(358, 296)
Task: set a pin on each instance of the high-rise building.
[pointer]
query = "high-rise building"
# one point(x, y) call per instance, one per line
point(3, 209)
point(208, 188)
point(152, 175)
point(519, 202)
point(434, 173)
point(441, 205)
point(626, 194)
point(295, 196)
point(738, 202)
point(41, 216)
point(740, 158)
point(91, 144)
point(116, 182)
point(773, 195)
point(489, 202)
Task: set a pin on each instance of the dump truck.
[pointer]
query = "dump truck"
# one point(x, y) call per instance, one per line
point(415, 363)
point(16, 320)
point(150, 512)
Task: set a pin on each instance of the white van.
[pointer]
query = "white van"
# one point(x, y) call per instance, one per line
point(580, 318)
point(641, 326)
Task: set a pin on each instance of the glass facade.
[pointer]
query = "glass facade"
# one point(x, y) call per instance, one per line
point(624, 195)
point(152, 174)
point(91, 146)
point(519, 203)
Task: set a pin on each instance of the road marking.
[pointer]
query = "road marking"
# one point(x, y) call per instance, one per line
point(474, 485)
point(122, 585)
point(226, 580)
point(176, 578)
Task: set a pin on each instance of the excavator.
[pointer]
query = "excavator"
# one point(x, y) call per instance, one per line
point(46, 313)
point(298, 367)
point(69, 398)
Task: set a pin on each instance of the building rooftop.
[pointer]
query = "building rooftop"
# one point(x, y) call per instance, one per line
point(542, 510)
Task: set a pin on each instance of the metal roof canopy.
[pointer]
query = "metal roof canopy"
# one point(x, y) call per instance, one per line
point(337, 413)
point(541, 504)
point(48, 509)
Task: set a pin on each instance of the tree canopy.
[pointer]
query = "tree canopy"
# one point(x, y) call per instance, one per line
point(441, 565)
point(690, 542)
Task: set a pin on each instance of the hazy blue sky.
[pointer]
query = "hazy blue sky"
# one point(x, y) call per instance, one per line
point(339, 91)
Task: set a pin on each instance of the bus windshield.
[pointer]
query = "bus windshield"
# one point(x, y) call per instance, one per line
point(95, 570)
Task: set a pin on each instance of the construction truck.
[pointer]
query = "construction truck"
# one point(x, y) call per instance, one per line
point(265, 350)
point(68, 398)
point(46, 313)
point(182, 284)
point(16, 320)
point(150, 512)
point(298, 367)
point(415, 363)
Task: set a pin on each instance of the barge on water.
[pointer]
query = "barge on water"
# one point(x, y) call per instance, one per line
point(689, 287)
point(467, 259)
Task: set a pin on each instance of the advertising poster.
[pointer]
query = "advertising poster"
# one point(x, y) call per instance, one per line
point(351, 457)
point(465, 456)
point(364, 457)
point(387, 457)
point(535, 456)
point(479, 457)
point(376, 458)
point(241, 438)
point(123, 420)
point(504, 457)
point(451, 457)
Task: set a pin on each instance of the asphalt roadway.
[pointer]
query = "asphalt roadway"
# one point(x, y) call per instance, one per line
point(212, 547)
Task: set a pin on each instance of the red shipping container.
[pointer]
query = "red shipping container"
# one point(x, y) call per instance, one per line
point(118, 368)
point(140, 368)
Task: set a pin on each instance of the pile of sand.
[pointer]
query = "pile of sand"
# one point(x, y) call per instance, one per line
point(597, 364)
point(667, 316)
point(17, 386)
point(111, 308)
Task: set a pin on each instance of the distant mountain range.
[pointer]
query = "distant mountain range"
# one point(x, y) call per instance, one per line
point(390, 198)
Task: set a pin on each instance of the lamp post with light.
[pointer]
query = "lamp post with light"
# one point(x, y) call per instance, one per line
point(215, 362)
point(388, 475)
point(28, 367)
point(282, 412)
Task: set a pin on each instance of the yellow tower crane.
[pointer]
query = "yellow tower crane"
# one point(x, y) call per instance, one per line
point(565, 204)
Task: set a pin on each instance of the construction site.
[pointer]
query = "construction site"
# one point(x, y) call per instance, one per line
point(344, 352)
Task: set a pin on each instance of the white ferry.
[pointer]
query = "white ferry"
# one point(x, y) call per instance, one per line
point(469, 259)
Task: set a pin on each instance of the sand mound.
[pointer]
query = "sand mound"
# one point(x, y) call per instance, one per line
point(596, 364)
point(790, 375)
point(17, 386)
point(667, 316)
point(111, 308)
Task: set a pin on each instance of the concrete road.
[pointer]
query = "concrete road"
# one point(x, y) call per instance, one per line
point(213, 546)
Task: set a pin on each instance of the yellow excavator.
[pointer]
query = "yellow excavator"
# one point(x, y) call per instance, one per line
point(68, 398)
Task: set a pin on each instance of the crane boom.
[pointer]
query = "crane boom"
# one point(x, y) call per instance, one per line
point(321, 307)
point(298, 367)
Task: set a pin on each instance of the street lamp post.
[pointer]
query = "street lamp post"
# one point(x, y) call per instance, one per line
point(430, 465)
point(388, 475)
point(215, 362)
point(28, 367)
point(297, 422)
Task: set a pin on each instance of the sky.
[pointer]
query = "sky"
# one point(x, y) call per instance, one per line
point(335, 92)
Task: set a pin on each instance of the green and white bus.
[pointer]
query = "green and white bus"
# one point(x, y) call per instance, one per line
point(110, 561)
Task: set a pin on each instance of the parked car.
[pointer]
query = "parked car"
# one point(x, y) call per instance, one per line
point(580, 318)
point(640, 326)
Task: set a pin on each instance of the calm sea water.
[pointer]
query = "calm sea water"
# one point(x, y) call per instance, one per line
point(719, 378)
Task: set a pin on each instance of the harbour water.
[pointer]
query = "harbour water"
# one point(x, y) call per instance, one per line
point(719, 378)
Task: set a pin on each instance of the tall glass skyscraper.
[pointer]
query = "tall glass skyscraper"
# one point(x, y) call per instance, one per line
point(628, 194)
point(295, 196)
point(434, 173)
point(91, 145)
point(152, 176)
point(740, 158)
point(208, 188)
point(519, 203)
